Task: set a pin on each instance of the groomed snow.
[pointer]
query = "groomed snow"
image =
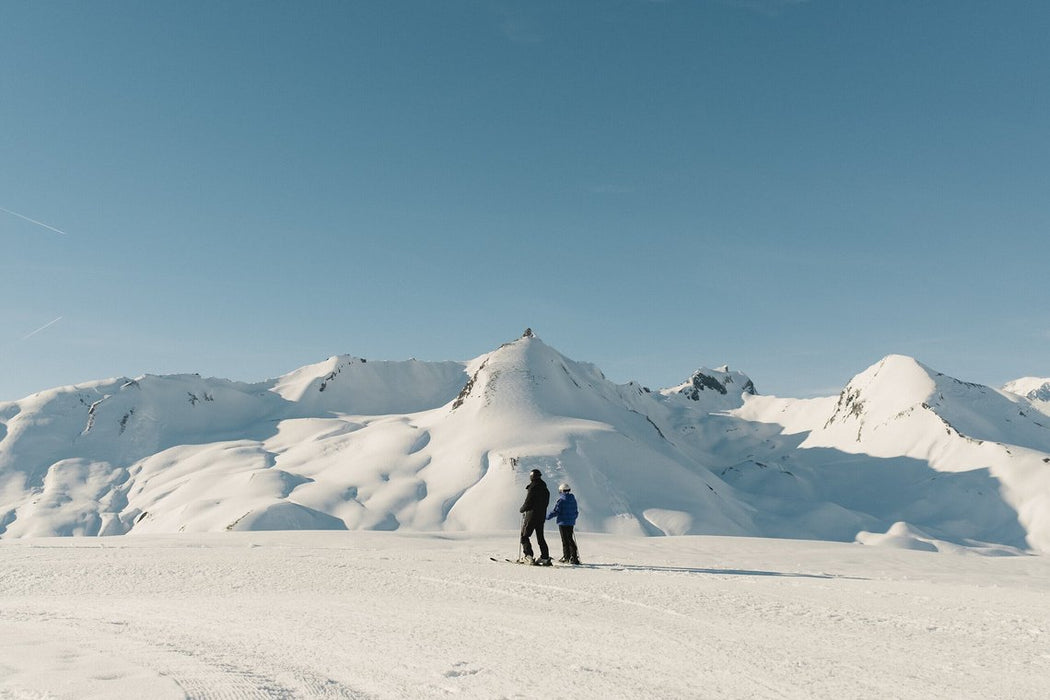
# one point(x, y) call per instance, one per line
point(395, 615)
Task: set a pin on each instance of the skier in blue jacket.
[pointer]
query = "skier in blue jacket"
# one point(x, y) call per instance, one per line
point(566, 511)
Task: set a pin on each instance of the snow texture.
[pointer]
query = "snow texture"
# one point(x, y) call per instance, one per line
point(415, 615)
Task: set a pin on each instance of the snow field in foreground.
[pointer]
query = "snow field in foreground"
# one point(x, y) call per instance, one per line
point(392, 615)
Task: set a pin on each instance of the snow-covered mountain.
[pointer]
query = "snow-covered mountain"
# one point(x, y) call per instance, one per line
point(1037, 388)
point(348, 443)
point(905, 443)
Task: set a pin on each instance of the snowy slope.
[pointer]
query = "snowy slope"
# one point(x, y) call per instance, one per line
point(905, 443)
point(350, 443)
point(528, 406)
point(1035, 389)
point(347, 384)
point(408, 615)
point(903, 457)
point(1030, 387)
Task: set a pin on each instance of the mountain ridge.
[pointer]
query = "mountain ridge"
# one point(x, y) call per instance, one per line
point(361, 444)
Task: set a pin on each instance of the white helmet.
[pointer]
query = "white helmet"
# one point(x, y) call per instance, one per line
point(563, 487)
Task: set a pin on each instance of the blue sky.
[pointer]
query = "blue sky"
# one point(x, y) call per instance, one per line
point(793, 187)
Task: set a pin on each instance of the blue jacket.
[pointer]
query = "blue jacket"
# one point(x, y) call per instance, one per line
point(566, 510)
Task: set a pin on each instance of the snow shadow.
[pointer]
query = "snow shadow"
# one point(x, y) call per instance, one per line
point(827, 494)
point(716, 572)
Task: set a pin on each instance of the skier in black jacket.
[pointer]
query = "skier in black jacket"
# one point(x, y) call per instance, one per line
point(534, 511)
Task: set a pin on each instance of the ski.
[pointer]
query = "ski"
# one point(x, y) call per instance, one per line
point(523, 563)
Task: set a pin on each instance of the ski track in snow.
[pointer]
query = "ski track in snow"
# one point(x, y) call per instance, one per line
point(199, 666)
point(394, 615)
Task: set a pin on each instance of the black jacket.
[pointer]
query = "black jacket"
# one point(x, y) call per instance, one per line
point(537, 498)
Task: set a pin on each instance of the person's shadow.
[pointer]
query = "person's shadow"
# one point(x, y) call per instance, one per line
point(716, 572)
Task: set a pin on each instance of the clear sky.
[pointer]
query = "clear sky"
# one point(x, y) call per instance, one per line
point(793, 187)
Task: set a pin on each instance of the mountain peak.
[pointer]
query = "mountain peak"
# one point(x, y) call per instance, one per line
point(1034, 388)
point(893, 384)
point(527, 374)
point(898, 391)
point(902, 375)
point(717, 389)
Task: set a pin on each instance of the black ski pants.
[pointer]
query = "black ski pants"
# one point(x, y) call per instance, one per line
point(568, 543)
point(527, 528)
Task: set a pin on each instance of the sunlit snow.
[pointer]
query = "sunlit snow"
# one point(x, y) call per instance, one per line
point(399, 615)
point(397, 485)
point(360, 444)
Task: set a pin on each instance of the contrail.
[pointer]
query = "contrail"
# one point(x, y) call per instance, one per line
point(43, 327)
point(32, 221)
